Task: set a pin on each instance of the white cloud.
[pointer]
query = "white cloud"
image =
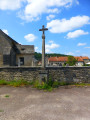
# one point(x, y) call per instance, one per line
point(30, 37)
point(35, 8)
point(69, 53)
point(63, 25)
point(55, 10)
point(51, 46)
point(87, 47)
point(50, 17)
point(5, 31)
point(36, 48)
point(81, 44)
point(10, 4)
point(51, 41)
point(77, 51)
point(76, 33)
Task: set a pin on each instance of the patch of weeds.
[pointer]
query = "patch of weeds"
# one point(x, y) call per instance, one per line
point(82, 84)
point(46, 86)
point(36, 84)
point(17, 83)
point(7, 96)
point(3, 82)
point(56, 84)
point(1, 110)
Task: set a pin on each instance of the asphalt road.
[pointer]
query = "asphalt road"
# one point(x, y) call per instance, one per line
point(26, 103)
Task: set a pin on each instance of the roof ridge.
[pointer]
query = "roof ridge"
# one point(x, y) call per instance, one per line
point(3, 33)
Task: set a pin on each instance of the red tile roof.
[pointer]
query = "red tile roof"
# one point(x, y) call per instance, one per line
point(57, 59)
point(79, 59)
point(85, 57)
point(64, 59)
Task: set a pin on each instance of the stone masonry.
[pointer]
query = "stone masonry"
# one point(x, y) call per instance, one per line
point(68, 74)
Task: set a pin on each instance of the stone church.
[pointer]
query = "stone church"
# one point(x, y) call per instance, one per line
point(14, 54)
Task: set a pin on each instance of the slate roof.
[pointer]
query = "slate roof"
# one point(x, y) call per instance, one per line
point(25, 49)
point(9, 42)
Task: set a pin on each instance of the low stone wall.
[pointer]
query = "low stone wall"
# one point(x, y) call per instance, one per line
point(69, 74)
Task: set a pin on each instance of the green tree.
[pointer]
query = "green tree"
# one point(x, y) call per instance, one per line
point(71, 61)
point(38, 56)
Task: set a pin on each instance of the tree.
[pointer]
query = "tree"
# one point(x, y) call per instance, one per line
point(71, 61)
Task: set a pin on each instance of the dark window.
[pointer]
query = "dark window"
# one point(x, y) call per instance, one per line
point(22, 48)
point(21, 60)
point(6, 59)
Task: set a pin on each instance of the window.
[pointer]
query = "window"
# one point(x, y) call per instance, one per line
point(21, 60)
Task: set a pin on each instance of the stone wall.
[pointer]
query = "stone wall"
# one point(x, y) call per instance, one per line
point(69, 74)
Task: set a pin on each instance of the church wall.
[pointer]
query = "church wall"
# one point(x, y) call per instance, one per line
point(12, 58)
point(1, 60)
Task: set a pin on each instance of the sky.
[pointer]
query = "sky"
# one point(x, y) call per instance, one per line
point(68, 23)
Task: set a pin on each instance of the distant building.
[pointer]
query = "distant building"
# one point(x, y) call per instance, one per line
point(14, 54)
point(60, 61)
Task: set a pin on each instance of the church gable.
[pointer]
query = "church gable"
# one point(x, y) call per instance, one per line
point(12, 52)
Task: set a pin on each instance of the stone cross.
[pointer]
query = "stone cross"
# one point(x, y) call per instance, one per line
point(43, 45)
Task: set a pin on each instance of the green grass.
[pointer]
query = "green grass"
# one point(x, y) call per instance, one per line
point(15, 83)
point(81, 84)
point(1, 110)
point(46, 86)
point(7, 96)
point(3, 82)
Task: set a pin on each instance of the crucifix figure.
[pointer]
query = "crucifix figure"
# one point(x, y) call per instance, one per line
point(43, 45)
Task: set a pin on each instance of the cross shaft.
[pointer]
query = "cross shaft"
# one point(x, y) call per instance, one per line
point(43, 45)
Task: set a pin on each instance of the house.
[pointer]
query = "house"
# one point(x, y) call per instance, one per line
point(85, 59)
point(57, 61)
point(60, 61)
point(14, 54)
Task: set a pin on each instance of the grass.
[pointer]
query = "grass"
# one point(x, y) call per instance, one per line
point(82, 84)
point(7, 96)
point(46, 86)
point(3, 82)
point(15, 83)
point(1, 110)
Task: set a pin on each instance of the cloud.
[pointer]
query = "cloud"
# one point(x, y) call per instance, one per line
point(81, 44)
point(76, 34)
point(10, 4)
point(30, 37)
point(69, 53)
point(51, 41)
point(50, 17)
point(35, 8)
point(5, 31)
point(36, 48)
point(55, 10)
point(87, 47)
point(51, 46)
point(63, 25)
point(77, 51)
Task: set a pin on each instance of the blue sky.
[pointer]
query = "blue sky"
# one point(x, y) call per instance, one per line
point(68, 23)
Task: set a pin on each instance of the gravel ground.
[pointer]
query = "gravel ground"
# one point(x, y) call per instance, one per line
point(26, 103)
